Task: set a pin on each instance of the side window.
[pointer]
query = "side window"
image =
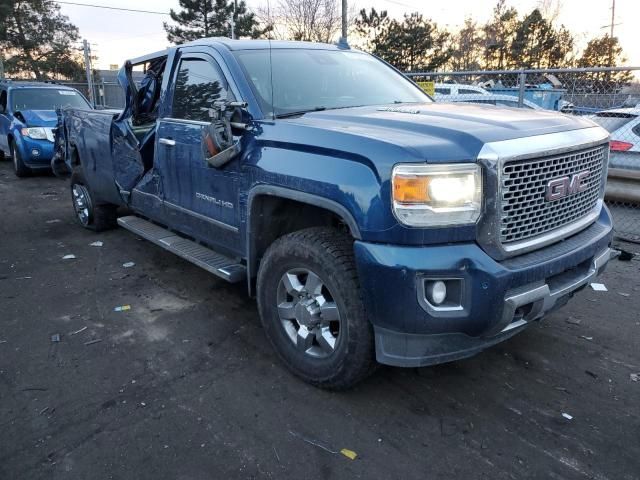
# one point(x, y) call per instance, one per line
point(198, 84)
point(467, 90)
point(636, 129)
point(3, 101)
point(443, 91)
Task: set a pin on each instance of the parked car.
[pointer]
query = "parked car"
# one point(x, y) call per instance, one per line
point(452, 89)
point(624, 126)
point(370, 222)
point(492, 99)
point(27, 119)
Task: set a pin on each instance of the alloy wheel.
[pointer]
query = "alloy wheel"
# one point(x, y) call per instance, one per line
point(81, 203)
point(308, 312)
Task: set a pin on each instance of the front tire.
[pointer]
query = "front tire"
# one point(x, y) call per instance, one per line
point(311, 309)
point(19, 167)
point(91, 215)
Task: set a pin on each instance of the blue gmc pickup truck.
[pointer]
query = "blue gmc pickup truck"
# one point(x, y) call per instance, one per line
point(371, 223)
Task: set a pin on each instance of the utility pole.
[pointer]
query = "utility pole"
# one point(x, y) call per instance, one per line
point(344, 22)
point(613, 17)
point(87, 66)
point(233, 21)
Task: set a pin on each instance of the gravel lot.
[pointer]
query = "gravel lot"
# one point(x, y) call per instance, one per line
point(185, 386)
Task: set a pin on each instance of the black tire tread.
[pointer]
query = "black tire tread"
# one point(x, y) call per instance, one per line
point(339, 247)
point(21, 170)
point(105, 215)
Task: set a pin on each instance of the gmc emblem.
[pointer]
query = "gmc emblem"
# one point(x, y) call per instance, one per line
point(565, 186)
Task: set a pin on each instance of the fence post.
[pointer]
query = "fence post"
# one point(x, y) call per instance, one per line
point(522, 80)
point(102, 92)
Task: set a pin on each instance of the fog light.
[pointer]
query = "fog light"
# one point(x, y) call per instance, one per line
point(436, 292)
point(35, 153)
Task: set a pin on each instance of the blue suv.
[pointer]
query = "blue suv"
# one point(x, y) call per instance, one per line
point(27, 120)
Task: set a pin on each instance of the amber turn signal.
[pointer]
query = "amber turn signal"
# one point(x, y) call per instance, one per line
point(410, 189)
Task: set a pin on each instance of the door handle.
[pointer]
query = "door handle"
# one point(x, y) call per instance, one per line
point(167, 141)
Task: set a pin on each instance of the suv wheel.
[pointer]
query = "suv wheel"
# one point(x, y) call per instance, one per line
point(311, 310)
point(20, 169)
point(93, 216)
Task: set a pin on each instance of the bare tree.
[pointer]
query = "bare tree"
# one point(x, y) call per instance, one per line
point(550, 9)
point(308, 20)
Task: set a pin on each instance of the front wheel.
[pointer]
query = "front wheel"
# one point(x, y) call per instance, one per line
point(311, 309)
point(19, 167)
point(93, 216)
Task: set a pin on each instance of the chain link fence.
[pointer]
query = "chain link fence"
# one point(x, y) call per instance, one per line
point(107, 94)
point(608, 96)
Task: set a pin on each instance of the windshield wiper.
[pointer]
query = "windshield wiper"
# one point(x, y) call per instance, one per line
point(299, 113)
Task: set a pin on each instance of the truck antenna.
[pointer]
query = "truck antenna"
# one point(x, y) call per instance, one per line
point(270, 26)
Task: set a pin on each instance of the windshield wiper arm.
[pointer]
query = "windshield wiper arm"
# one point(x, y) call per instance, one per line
point(301, 112)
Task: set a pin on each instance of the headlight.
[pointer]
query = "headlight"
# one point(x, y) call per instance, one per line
point(435, 195)
point(37, 133)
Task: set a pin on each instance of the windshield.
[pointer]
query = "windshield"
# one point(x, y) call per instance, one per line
point(612, 121)
point(46, 99)
point(305, 80)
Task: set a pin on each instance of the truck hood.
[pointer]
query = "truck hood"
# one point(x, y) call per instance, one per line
point(38, 118)
point(438, 132)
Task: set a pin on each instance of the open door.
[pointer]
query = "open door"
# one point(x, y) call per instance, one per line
point(133, 131)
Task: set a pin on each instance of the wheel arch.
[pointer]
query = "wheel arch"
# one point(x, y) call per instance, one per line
point(311, 210)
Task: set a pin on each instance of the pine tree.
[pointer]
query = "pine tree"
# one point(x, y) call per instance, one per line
point(369, 26)
point(467, 47)
point(210, 18)
point(534, 38)
point(415, 43)
point(38, 40)
point(499, 34)
point(604, 52)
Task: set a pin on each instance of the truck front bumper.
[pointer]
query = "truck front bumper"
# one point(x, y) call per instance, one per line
point(496, 300)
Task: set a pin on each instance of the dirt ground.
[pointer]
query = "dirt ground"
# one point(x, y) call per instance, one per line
point(184, 385)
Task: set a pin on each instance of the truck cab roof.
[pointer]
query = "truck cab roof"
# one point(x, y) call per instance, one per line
point(27, 84)
point(235, 45)
point(261, 44)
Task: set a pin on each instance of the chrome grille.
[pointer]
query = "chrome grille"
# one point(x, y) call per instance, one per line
point(524, 211)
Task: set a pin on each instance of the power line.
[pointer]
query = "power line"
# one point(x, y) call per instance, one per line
point(249, 9)
point(112, 8)
point(402, 4)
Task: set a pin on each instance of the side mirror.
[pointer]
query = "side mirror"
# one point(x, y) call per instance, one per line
point(219, 146)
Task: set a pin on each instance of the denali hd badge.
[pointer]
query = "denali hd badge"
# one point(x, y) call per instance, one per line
point(565, 186)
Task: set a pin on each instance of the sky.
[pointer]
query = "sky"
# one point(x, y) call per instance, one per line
point(116, 36)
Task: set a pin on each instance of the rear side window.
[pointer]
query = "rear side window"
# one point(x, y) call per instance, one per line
point(198, 84)
point(468, 90)
point(613, 121)
point(636, 129)
point(443, 91)
point(3, 101)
